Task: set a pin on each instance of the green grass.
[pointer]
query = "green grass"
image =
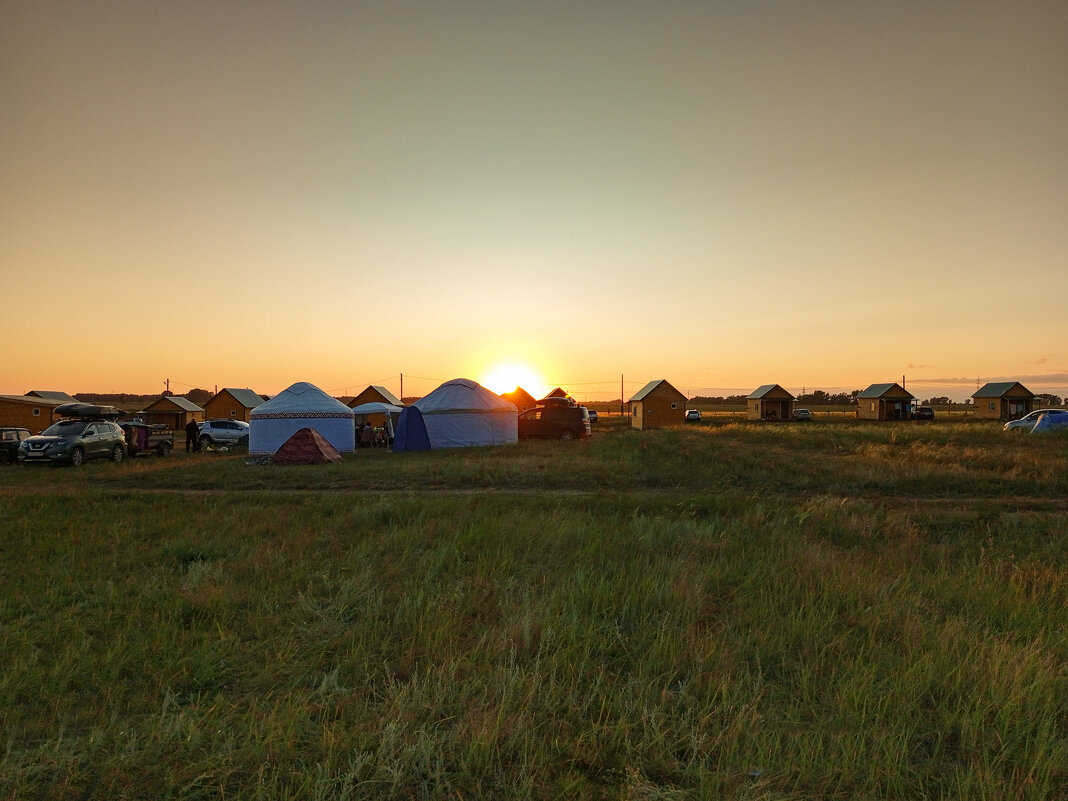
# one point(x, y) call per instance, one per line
point(737, 611)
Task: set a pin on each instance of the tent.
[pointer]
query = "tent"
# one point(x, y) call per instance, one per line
point(461, 413)
point(306, 447)
point(302, 405)
point(411, 432)
point(391, 412)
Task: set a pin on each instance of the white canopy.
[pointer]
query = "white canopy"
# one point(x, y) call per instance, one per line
point(377, 407)
point(462, 412)
point(302, 405)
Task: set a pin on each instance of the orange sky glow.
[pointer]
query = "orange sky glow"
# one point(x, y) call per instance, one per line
point(821, 195)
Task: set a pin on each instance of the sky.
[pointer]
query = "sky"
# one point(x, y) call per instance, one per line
point(249, 194)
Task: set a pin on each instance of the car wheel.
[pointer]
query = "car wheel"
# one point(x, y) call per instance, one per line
point(206, 442)
point(77, 456)
point(567, 434)
point(164, 449)
point(118, 453)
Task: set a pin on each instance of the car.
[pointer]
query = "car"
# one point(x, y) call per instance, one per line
point(693, 416)
point(10, 437)
point(1027, 422)
point(214, 433)
point(593, 415)
point(555, 421)
point(75, 441)
point(802, 414)
point(923, 413)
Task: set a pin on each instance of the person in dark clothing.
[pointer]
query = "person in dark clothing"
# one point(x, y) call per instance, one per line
point(192, 437)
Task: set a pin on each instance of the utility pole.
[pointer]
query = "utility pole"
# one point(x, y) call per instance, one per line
point(621, 394)
point(167, 384)
point(402, 388)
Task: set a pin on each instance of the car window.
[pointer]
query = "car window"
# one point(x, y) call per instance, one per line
point(65, 428)
point(10, 436)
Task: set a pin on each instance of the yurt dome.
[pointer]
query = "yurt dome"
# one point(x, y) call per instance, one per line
point(302, 405)
point(462, 412)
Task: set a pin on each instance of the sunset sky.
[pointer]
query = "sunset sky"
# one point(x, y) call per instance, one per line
point(816, 194)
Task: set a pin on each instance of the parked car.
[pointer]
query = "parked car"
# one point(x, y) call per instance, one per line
point(923, 413)
point(10, 438)
point(214, 433)
point(693, 416)
point(1027, 422)
point(802, 414)
point(74, 441)
point(555, 421)
point(593, 415)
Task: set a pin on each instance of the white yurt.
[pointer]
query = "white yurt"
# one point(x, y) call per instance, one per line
point(462, 412)
point(302, 405)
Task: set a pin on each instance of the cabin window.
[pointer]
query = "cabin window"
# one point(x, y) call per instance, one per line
point(990, 406)
point(36, 412)
point(675, 405)
point(871, 406)
point(233, 412)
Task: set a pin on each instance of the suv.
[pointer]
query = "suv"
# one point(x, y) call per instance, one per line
point(10, 437)
point(555, 421)
point(223, 432)
point(802, 414)
point(692, 416)
point(923, 413)
point(74, 441)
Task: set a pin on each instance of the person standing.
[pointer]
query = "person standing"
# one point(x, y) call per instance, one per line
point(192, 437)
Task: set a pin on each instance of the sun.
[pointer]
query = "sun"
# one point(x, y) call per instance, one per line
point(506, 376)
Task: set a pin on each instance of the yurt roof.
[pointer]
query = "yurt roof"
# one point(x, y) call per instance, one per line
point(462, 395)
point(301, 397)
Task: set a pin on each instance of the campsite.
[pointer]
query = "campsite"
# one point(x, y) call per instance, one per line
point(843, 609)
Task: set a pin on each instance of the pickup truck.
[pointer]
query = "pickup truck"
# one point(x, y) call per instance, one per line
point(141, 438)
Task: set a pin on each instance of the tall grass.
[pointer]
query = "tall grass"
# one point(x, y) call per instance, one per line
point(737, 612)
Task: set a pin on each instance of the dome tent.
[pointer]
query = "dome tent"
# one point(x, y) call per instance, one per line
point(302, 405)
point(461, 413)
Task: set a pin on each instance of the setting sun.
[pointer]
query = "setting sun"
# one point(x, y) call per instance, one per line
point(507, 376)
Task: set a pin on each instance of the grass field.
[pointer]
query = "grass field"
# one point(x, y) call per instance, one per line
point(835, 610)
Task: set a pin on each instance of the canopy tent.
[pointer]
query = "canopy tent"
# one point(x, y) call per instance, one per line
point(461, 413)
point(411, 432)
point(390, 411)
point(306, 447)
point(302, 405)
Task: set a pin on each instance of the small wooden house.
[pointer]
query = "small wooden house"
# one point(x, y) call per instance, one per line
point(52, 395)
point(174, 411)
point(375, 394)
point(559, 392)
point(34, 414)
point(884, 402)
point(656, 405)
point(231, 404)
point(520, 398)
point(1004, 400)
point(769, 402)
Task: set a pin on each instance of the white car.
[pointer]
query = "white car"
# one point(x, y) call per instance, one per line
point(223, 432)
point(692, 415)
point(1027, 422)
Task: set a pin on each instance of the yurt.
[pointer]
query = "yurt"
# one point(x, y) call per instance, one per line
point(461, 413)
point(302, 405)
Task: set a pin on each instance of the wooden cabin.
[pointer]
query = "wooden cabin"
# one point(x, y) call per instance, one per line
point(657, 405)
point(520, 398)
point(885, 402)
point(20, 411)
point(174, 411)
point(1003, 400)
point(770, 403)
point(52, 395)
point(231, 404)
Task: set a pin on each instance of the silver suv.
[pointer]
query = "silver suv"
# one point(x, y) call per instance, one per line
point(223, 432)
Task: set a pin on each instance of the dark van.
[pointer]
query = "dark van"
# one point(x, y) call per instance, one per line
point(554, 421)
